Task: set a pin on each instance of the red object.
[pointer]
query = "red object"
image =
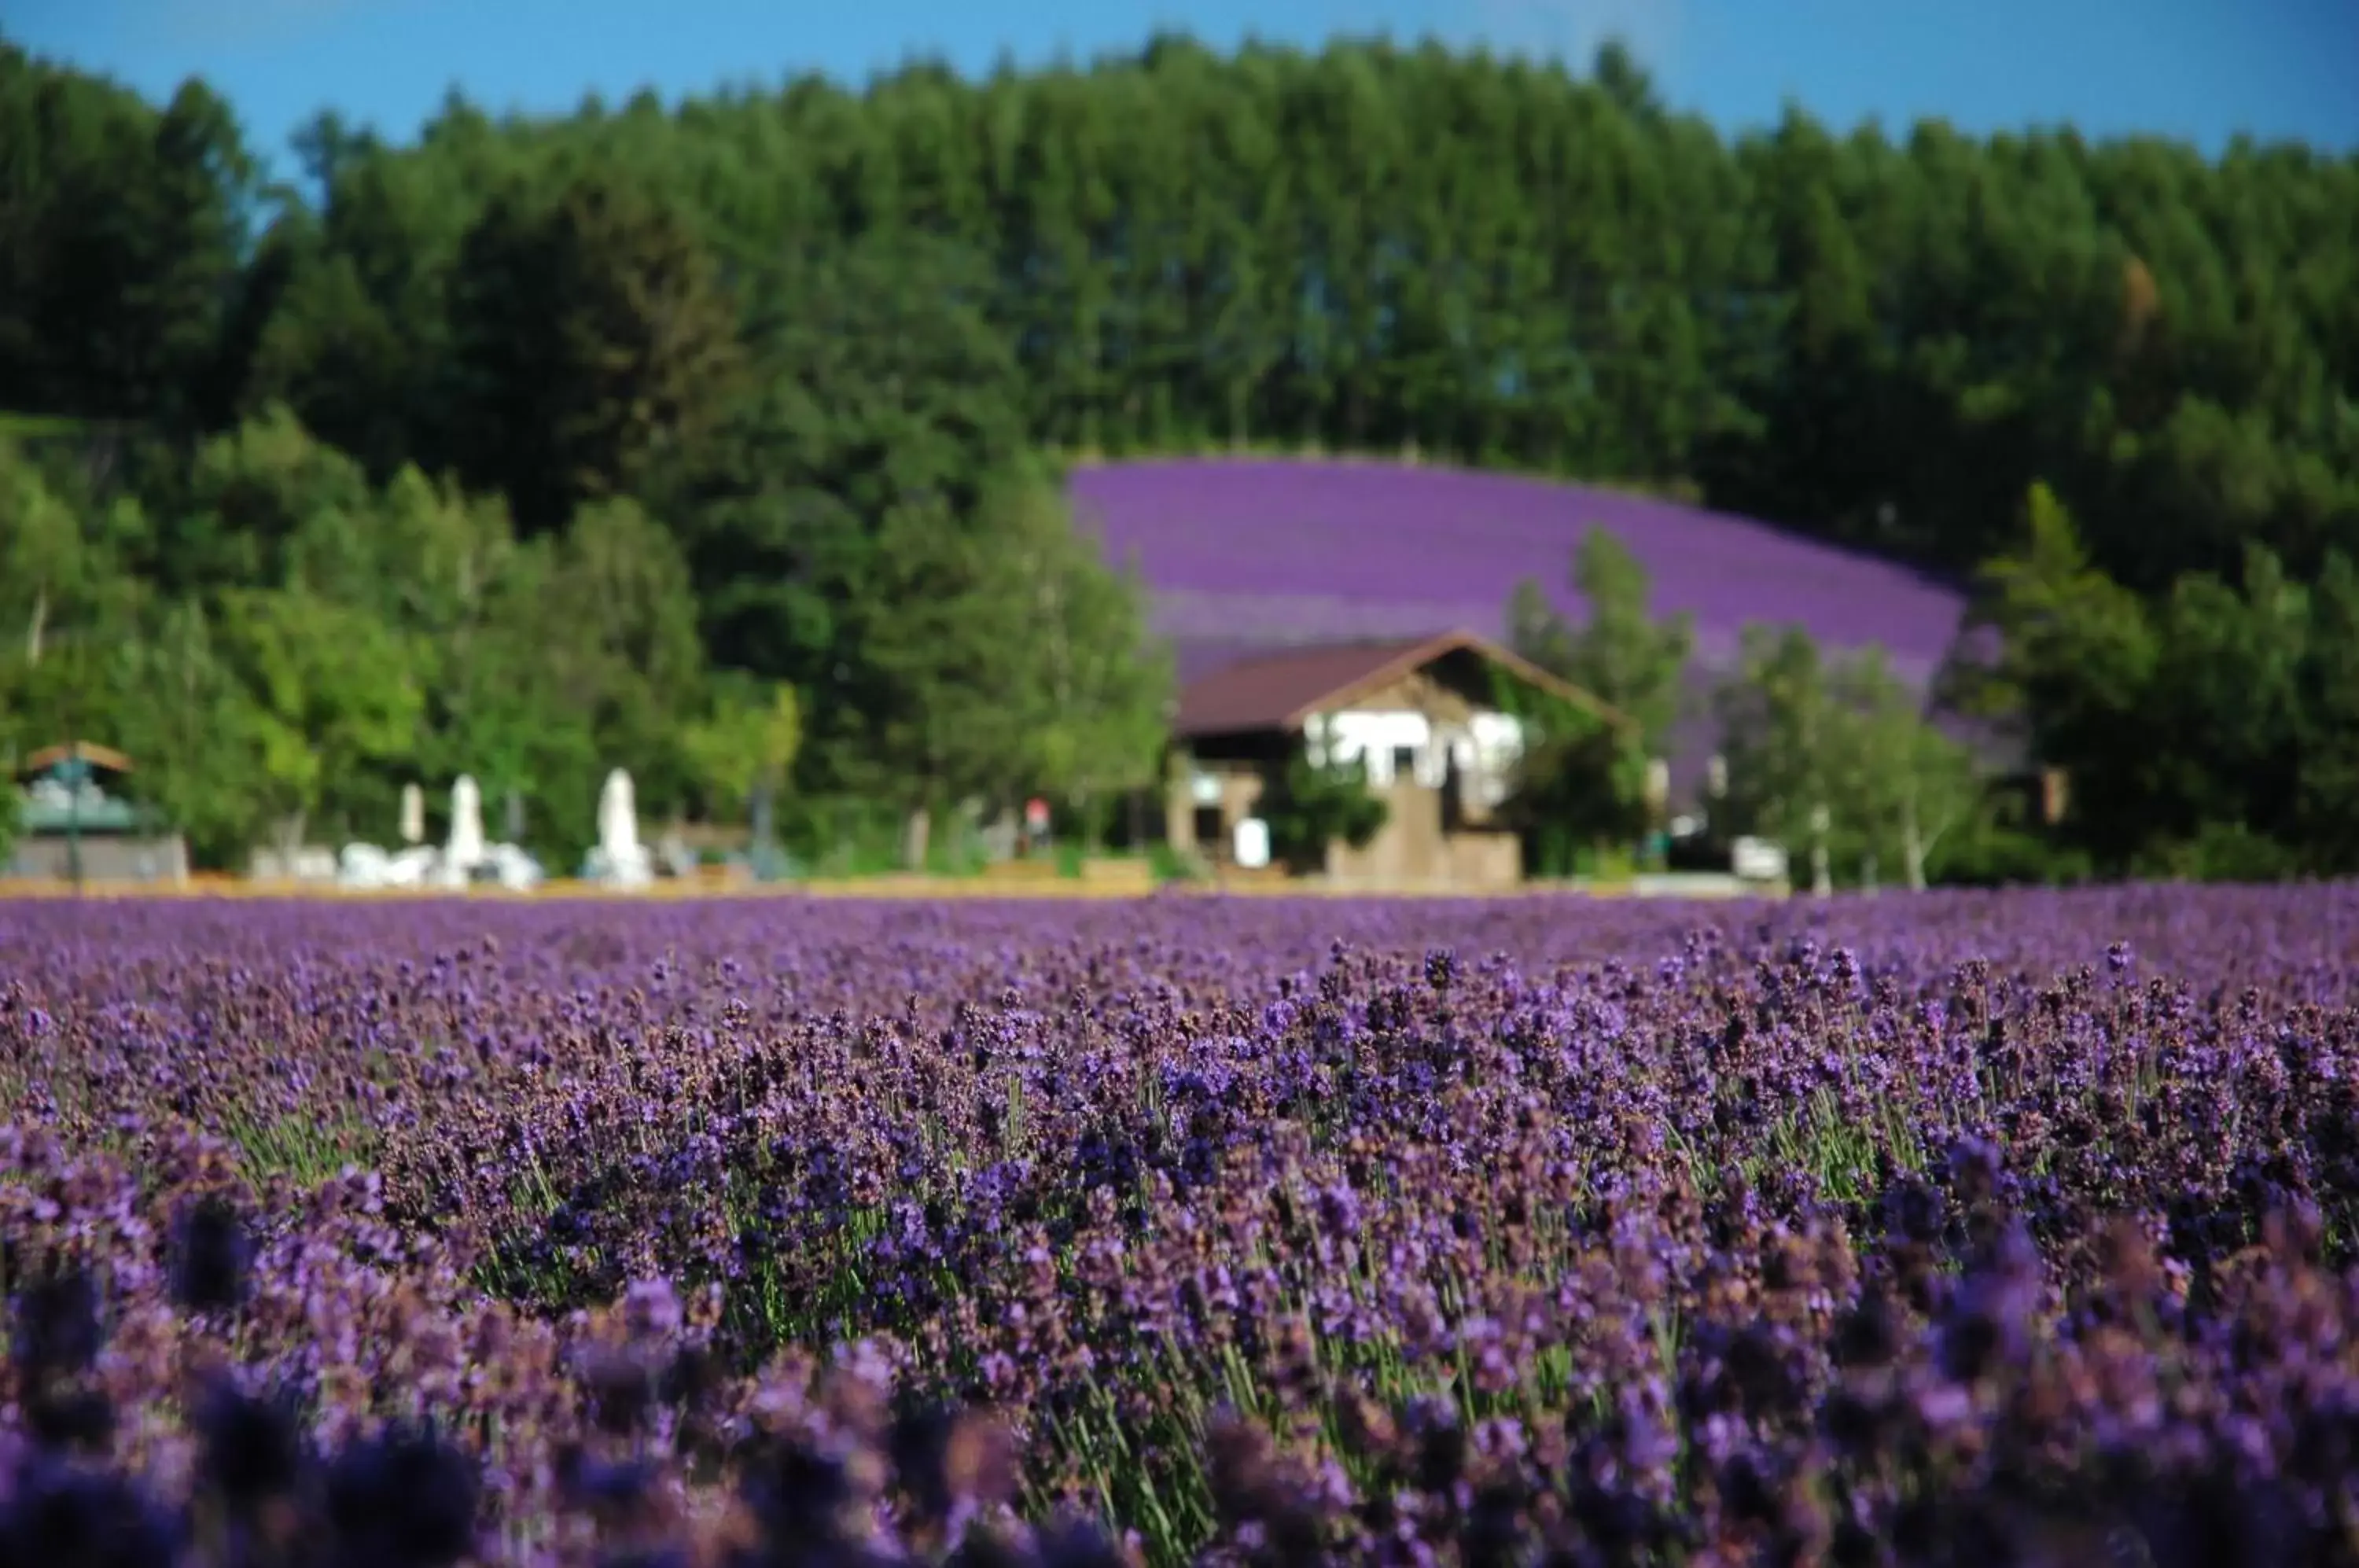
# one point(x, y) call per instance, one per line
point(1036, 815)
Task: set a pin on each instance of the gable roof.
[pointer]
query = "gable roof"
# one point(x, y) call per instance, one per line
point(1283, 690)
point(88, 751)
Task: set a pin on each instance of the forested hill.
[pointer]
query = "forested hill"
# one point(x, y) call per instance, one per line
point(704, 440)
point(1884, 339)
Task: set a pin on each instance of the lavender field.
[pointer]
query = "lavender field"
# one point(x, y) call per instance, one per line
point(1968, 1229)
point(1243, 555)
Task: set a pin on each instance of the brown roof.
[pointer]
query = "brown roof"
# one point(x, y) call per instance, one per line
point(1282, 690)
point(88, 751)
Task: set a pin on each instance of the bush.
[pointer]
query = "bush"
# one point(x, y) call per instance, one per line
point(1310, 805)
point(2221, 852)
point(1998, 855)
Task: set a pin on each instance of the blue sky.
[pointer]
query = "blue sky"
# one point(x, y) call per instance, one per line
point(2203, 69)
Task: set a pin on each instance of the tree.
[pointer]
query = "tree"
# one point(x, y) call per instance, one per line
point(532, 656)
point(2326, 802)
point(985, 658)
point(1785, 760)
point(1315, 800)
point(938, 695)
point(518, 701)
point(792, 325)
point(184, 230)
point(249, 494)
point(123, 226)
point(1879, 339)
point(1097, 693)
point(879, 389)
point(2227, 689)
point(183, 715)
point(1918, 785)
point(746, 744)
point(592, 333)
point(621, 606)
point(345, 315)
point(329, 694)
point(1582, 771)
point(1622, 654)
point(66, 608)
point(58, 568)
point(2200, 732)
point(2058, 651)
point(322, 344)
point(1845, 743)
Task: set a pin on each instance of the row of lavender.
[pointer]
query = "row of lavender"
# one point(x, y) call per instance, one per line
point(1957, 1229)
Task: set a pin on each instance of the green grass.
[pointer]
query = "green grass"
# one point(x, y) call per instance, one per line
point(1847, 1157)
point(307, 1151)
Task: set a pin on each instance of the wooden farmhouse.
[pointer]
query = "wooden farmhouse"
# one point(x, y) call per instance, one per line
point(1423, 718)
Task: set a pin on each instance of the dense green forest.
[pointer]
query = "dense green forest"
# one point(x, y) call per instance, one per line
point(587, 437)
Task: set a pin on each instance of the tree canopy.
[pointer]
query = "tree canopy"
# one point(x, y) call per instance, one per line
point(1580, 774)
point(1885, 339)
point(1833, 756)
point(771, 373)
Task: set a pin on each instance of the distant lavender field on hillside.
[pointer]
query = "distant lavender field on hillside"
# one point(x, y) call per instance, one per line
point(1249, 554)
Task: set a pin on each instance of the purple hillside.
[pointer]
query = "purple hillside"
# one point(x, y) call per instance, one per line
point(1247, 554)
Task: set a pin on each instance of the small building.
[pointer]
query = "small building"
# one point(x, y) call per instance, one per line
point(1423, 718)
point(70, 828)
